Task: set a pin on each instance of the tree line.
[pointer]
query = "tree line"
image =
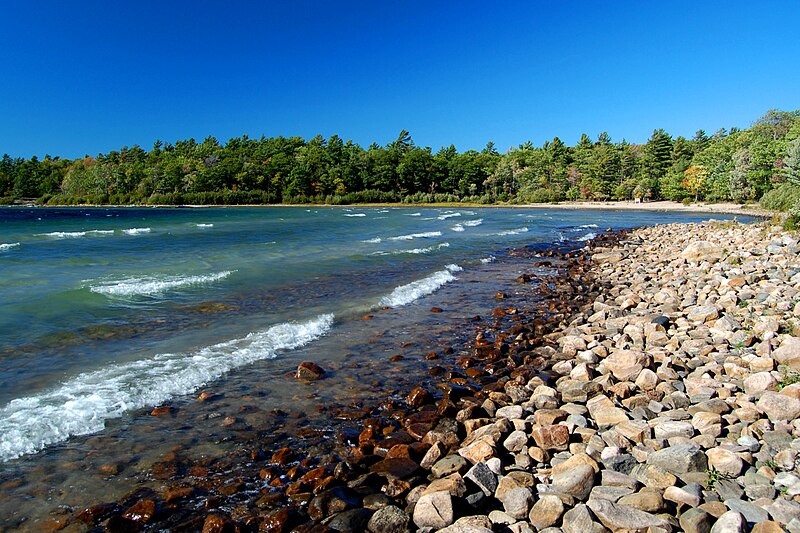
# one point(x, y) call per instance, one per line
point(728, 165)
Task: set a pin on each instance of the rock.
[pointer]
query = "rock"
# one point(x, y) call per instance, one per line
point(352, 521)
point(751, 512)
point(308, 371)
point(579, 520)
point(516, 441)
point(517, 502)
point(477, 452)
point(142, 511)
point(395, 467)
point(607, 257)
point(620, 517)
point(702, 251)
point(778, 406)
point(483, 478)
point(759, 382)
point(696, 521)
point(546, 512)
point(673, 428)
point(419, 396)
point(682, 497)
point(448, 465)
point(433, 454)
point(576, 482)
point(725, 461)
point(389, 519)
point(767, 527)
point(730, 522)
point(512, 412)
point(788, 353)
point(784, 511)
point(649, 501)
point(218, 524)
point(702, 313)
point(332, 501)
point(679, 459)
point(604, 413)
point(555, 437)
point(625, 365)
point(434, 510)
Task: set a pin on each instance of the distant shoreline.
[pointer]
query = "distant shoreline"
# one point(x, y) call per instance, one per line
point(660, 205)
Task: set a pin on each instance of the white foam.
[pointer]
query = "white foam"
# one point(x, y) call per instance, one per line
point(423, 235)
point(473, 223)
point(83, 404)
point(136, 231)
point(405, 294)
point(413, 214)
point(415, 250)
point(588, 226)
point(204, 225)
point(376, 240)
point(147, 286)
point(587, 237)
point(7, 246)
point(448, 215)
point(512, 232)
point(356, 215)
point(487, 260)
point(457, 227)
point(63, 234)
point(100, 232)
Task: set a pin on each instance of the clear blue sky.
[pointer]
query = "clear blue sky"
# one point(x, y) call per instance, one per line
point(87, 77)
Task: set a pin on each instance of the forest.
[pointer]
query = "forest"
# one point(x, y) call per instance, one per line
point(728, 165)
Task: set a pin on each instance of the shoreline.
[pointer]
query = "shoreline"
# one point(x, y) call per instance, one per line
point(535, 394)
point(622, 205)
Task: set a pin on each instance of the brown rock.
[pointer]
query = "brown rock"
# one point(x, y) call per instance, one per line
point(142, 511)
point(551, 437)
point(282, 457)
point(164, 410)
point(218, 524)
point(308, 371)
point(419, 396)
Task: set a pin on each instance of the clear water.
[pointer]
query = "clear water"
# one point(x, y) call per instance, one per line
point(106, 311)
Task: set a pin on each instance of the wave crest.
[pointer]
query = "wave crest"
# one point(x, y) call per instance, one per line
point(83, 404)
point(405, 294)
point(148, 286)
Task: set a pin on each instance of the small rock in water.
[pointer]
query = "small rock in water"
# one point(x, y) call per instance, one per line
point(308, 371)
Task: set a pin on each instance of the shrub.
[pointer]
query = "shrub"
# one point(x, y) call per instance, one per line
point(781, 198)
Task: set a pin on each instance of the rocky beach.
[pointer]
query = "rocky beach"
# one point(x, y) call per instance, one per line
point(651, 387)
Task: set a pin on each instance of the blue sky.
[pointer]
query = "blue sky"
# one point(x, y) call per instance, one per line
point(89, 77)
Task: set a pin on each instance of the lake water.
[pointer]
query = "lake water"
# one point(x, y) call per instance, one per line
point(107, 312)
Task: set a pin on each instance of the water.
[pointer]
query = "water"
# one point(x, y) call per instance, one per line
point(106, 312)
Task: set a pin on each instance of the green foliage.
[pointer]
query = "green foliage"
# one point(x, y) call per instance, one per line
point(726, 166)
point(782, 198)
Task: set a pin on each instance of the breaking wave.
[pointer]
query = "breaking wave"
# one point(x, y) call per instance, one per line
point(405, 294)
point(148, 286)
point(82, 405)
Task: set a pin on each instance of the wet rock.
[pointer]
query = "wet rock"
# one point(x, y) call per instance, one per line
point(351, 521)
point(218, 524)
point(142, 511)
point(308, 371)
point(332, 501)
point(395, 468)
point(418, 397)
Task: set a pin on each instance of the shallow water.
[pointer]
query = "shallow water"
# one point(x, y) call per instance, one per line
point(105, 313)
